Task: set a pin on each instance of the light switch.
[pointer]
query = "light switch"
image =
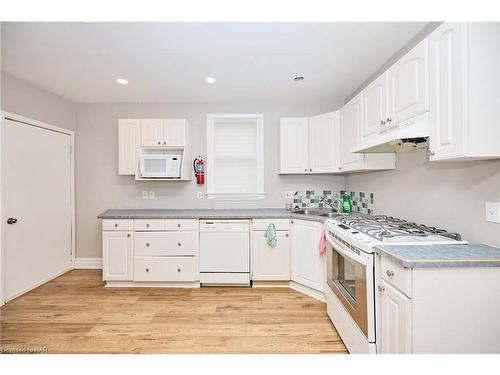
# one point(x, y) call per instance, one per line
point(289, 194)
point(151, 195)
point(145, 194)
point(199, 195)
point(493, 212)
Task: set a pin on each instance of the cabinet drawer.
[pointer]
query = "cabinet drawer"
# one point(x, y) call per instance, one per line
point(397, 276)
point(118, 224)
point(181, 224)
point(149, 224)
point(165, 269)
point(262, 224)
point(165, 243)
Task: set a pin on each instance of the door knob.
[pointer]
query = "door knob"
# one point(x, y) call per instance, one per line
point(11, 220)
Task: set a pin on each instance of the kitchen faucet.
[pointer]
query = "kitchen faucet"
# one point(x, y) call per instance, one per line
point(332, 205)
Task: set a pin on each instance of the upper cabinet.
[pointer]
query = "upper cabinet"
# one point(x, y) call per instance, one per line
point(163, 132)
point(350, 135)
point(409, 85)
point(129, 134)
point(464, 91)
point(375, 103)
point(309, 145)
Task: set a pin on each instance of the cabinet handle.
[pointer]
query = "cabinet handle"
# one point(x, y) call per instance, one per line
point(11, 220)
point(381, 288)
point(128, 234)
point(147, 269)
point(147, 244)
point(390, 273)
point(178, 270)
point(178, 244)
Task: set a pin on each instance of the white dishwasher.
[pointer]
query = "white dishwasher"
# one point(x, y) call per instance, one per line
point(225, 252)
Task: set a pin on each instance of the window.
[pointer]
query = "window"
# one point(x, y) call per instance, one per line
point(235, 157)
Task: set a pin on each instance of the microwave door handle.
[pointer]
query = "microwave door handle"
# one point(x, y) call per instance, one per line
point(349, 255)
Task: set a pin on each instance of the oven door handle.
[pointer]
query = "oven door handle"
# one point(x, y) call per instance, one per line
point(348, 254)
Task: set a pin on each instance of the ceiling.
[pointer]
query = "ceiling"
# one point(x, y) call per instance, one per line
point(168, 62)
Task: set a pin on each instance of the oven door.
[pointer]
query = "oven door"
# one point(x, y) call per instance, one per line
point(350, 277)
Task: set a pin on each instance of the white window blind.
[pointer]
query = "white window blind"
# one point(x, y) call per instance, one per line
point(235, 156)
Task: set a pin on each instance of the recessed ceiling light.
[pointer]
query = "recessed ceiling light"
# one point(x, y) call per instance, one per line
point(210, 80)
point(122, 81)
point(298, 78)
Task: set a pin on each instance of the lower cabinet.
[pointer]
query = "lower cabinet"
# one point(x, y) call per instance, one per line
point(271, 263)
point(165, 269)
point(395, 321)
point(308, 266)
point(117, 253)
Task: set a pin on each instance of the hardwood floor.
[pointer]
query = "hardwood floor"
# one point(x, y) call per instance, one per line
point(75, 313)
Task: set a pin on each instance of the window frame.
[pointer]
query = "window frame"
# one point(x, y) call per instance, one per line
point(260, 194)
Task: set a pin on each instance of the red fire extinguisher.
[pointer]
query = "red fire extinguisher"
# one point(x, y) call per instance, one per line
point(199, 170)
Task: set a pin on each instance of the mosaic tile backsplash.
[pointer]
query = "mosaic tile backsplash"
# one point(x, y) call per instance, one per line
point(361, 201)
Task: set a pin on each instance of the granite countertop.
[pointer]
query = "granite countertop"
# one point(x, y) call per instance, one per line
point(260, 213)
point(440, 256)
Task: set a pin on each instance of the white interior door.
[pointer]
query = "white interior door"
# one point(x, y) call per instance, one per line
point(37, 193)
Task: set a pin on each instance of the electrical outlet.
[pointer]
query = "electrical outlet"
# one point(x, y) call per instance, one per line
point(199, 195)
point(289, 194)
point(493, 212)
point(145, 194)
point(151, 195)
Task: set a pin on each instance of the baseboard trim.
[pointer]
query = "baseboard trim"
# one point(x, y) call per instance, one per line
point(88, 263)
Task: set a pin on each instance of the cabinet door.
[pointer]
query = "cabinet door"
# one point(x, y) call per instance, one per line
point(174, 132)
point(117, 255)
point(294, 145)
point(129, 133)
point(350, 123)
point(271, 262)
point(409, 84)
point(308, 267)
point(323, 136)
point(446, 69)
point(374, 99)
point(395, 321)
point(151, 132)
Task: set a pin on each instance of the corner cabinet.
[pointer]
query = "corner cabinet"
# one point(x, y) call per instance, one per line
point(308, 266)
point(309, 145)
point(350, 136)
point(464, 91)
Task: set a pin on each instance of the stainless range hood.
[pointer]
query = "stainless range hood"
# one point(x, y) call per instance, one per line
point(409, 134)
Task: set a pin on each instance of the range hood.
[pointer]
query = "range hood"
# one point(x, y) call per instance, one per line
point(406, 135)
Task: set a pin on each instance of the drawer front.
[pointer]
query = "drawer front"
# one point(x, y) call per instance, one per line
point(118, 224)
point(166, 269)
point(181, 224)
point(399, 277)
point(149, 224)
point(262, 224)
point(165, 243)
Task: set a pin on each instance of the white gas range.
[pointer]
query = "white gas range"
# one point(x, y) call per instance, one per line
point(352, 270)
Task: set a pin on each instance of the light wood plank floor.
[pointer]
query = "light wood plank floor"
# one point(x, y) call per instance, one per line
point(75, 313)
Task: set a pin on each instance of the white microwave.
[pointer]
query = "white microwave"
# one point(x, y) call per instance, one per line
point(160, 166)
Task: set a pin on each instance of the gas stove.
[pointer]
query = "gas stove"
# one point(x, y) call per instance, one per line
point(367, 231)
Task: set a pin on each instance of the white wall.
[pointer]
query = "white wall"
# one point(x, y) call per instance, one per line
point(449, 195)
point(25, 99)
point(99, 187)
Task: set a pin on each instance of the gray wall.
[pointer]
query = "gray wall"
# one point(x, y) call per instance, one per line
point(99, 187)
point(25, 99)
point(450, 195)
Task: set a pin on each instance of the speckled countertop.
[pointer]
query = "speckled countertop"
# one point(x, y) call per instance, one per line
point(440, 256)
point(261, 213)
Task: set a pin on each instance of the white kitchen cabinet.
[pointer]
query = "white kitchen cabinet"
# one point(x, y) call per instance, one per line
point(395, 321)
point(117, 253)
point(129, 134)
point(271, 263)
point(464, 91)
point(308, 266)
point(151, 132)
point(294, 148)
point(163, 133)
point(350, 136)
point(409, 85)
point(309, 145)
point(375, 105)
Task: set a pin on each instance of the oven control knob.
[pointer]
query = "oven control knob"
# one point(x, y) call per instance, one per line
point(381, 288)
point(389, 273)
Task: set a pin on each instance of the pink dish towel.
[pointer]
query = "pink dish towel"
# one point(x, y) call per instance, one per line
point(322, 243)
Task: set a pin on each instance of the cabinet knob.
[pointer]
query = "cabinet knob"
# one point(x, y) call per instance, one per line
point(178, 225)
point(164, 142)
point(382, 122)
point(286, 235)
point(147, 269)
point(159, 143)
point(147, 244)
point(432, 153)
point(389, 273)
point(178, 270)
point(340, 168)
point(147, 225)
point(116, 225)
point(128, 234)
point(305, 170)
point(380, 288)
point(291, 221)
point(389, 119)
point(178, 244)
point(310, 170)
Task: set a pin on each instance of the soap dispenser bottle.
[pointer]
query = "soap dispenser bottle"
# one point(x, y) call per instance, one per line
point(346, 204)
